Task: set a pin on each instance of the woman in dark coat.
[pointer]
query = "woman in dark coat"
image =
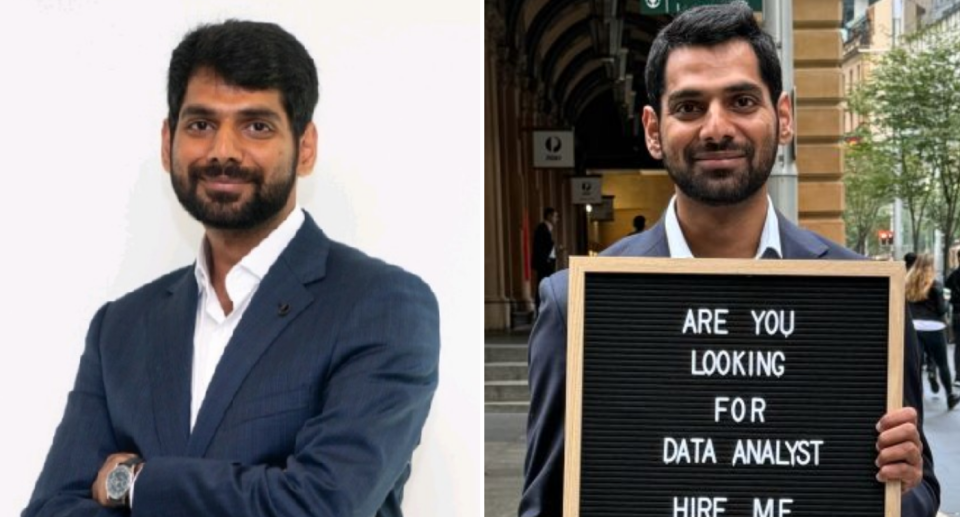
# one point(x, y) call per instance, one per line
point(928, 308)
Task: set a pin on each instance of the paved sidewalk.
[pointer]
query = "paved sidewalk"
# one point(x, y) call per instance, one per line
point(503, 466)
point(943, 434)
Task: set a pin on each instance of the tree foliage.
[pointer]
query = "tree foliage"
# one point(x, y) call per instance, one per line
point(869, 185)
point(911, 111)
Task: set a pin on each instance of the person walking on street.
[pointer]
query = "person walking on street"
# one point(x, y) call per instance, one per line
point(544, 257)
point(925, 297)
point(953, 283)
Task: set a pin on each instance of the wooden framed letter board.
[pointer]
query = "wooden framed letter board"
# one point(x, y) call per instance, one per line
point(730, 388)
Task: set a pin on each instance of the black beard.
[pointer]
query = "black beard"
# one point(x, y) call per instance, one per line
point(219, 212)
point(701, 188)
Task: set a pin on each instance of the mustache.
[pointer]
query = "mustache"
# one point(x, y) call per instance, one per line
point(721, 146)
point(229, 169)
point(691, 152)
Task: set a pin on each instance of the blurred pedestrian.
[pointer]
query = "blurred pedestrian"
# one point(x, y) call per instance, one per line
point(544, 256)
point(925, 297)
point(953, 283)
point(909, 259)
point(928, 364)
point(639, 224)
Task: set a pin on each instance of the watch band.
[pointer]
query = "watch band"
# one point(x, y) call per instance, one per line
point(136, 460)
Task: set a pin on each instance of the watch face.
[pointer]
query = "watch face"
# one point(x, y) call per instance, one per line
point(118, 482)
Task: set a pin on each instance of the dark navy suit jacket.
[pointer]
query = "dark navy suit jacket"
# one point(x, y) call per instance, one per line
point(314, 409)
point(543, 468)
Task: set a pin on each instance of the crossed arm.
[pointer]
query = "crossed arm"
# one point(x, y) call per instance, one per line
point(345, 461)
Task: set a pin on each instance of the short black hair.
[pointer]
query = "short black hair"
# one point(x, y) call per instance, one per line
point(711, 25)
point(548, 211)
point(251, 55)
point(639, 223)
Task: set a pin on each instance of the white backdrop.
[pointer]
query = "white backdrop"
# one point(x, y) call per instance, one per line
point(88, 214)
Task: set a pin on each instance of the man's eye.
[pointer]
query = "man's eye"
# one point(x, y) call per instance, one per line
point(745, 102)
point(199, 125)
point(260, 127)
point(686, 108)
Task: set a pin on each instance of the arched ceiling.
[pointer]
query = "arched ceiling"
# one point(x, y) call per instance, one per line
point(586, 57)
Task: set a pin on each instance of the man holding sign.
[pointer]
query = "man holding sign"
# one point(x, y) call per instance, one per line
point(717, 114)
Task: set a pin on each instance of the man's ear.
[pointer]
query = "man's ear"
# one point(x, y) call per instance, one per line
point(785, 114)
point(165, 145)
point(307, 150)
point(651, 132)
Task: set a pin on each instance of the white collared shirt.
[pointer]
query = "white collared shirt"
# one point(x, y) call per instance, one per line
point(214, 328)
point(769, 239)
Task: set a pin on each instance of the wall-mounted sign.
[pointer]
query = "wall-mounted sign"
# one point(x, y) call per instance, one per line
point(675, 6)
point(603, 211)
point(553, 149)
point(585, 190)
point(730, 387)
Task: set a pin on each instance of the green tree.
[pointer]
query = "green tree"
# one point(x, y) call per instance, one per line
point(869, 184)
point(911, 105)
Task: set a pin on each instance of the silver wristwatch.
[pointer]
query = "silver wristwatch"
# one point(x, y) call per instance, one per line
point(119, 481)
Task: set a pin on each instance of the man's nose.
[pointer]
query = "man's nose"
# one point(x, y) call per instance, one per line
point(717, 126)
point(226, 145)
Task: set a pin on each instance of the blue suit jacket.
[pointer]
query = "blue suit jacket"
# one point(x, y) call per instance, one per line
point(314, 409)
point(543, 468)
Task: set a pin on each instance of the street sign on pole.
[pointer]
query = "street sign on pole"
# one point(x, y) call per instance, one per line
point(675, 6)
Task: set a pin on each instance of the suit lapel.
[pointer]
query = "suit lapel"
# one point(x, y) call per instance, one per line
point(651, 243)
point(797, 243)
point(277, 302)
point(169, 332)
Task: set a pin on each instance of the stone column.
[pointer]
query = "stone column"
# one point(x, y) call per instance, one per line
point(512, 204)
point(496, 304)
point(818, 51)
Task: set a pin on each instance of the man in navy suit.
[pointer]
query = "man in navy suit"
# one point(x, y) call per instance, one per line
point(716, 116)
point(281, 374)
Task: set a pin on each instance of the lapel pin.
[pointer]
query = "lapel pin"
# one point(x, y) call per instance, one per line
point(283, 309)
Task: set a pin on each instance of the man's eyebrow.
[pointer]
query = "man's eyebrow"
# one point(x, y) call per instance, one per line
point(196, 111)
point(744, 87)
point(692, 93)
point(245, 113)
point(680, 95)
point(261, 113)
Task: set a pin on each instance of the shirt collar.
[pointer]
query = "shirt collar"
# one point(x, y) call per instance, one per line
point(261, 258)
point(769, 238)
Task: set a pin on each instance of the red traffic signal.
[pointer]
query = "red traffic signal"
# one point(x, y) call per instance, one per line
point(885, 237)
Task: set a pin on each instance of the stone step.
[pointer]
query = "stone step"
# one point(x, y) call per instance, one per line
point(507, 407)
point(505, 353)
point(513, 371)
point(521, 319)
point(506, 391)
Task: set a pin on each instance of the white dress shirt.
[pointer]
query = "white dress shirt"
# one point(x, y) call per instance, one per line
point(769, 239)
point(214, 328)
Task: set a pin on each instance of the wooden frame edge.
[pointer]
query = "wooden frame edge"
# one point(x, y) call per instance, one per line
point(574, 403)
point(895, 371)
point(845, 268)
point(579, 266)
